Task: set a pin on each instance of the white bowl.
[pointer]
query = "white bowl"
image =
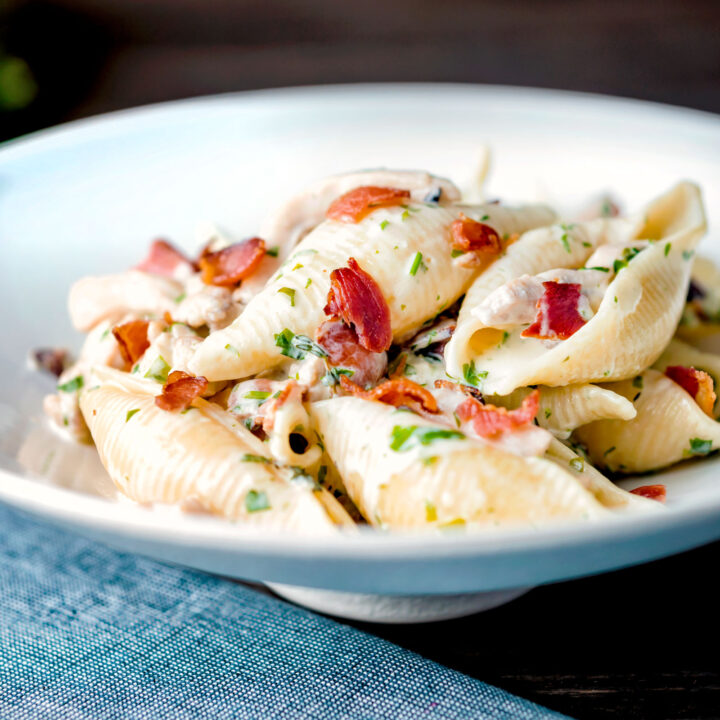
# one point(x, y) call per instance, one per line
point(87, 197)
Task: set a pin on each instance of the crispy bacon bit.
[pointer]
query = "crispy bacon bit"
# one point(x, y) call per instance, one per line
point(132, 339)
point(52, 360)
point(180, 390)
point(163, 259)
point(291, 390)
point(557, 312)
point(232, 264)
point(341, 344)
point(654, 492)
point(488, 420)
point(399, 392)
point(469, 235)
point(356, 298)
point(696, 383)
point(353, 206)
point(465, 389)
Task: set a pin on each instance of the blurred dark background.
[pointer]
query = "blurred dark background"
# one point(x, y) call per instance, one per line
point(63, 59)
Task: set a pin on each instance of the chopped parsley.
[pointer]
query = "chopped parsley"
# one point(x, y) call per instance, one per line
point(564, 237)
point(548, 413)
point(180, 297)
point(322, 474)
point(600, 269)
point(484, 218)
point(405, 214)
point(290, 292)
point(256, 500)
point(130, 413)
point(257, 395)
point(608, 451)
point(72, 385)
point(232, 349)
point(667, 249)
point(687, 254)
point(472, 376)
point(699, 446)
point(637, 382)
point(297, 346)
point(417, 264)
point(158, 370)
point(332, 376)
point(456, 253)
point(384, 224)
point(254, 458)
point(272, 251)
point(627, 256)
point(106, 332)
point(308, 283)
point(408, 437)
point(577, 464)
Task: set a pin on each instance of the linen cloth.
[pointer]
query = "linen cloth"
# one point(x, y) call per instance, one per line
point(89, 632)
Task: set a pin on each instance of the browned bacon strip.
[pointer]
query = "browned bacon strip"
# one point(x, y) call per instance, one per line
point(232, 264)
point(132, 339)
point(488, 420)
point(353, 206)
point(180, 390)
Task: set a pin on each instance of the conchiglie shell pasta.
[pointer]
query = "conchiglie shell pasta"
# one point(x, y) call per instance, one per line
point(385, 244)
point(565, 408)
point(635, 321)
point(447, 482)
point(157, 456)
point(667, 420)
point(546, 248)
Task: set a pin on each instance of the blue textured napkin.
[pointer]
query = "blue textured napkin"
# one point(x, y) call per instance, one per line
point(87, 632)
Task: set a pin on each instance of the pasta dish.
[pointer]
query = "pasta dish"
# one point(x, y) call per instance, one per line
point(384, 353)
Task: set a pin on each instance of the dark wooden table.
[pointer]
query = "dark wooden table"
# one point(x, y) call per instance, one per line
point(638, 643)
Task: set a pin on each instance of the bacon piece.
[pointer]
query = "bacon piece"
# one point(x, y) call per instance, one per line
point(353, 206)
point(180, 390)
point(488, 420)
point(341, 344)
point(696, 383)
point(464, 389)
point(654, 492)
point(232, 264)
point(399, 392)
point(163, 259)
point(52, 360)
point(469, 235)
point(557, 312)
point(132, 339)
point(356, 298)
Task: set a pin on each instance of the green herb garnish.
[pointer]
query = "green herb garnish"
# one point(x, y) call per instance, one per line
point(72, 385)
point(637, 382)
point(297, 346)
point(667, 249)
point(256, 501)
point(417, 264)
point(332, 376)
point(254, 458)
point(699, 447)
point(473, 376)
point(232, 349)
point(577, 464)
point(272, 251)
point(130, 413)
point(290, 292)
point(257, 395)
point(405, 438)
point(158, 370)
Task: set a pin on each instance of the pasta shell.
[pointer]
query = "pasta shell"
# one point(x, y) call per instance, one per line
point(109, 297)
point(200, 455)
point(448, 482)
point(669, 427)
point(636, 318)
point(565, 408)
point(407, 252)
point(704, 330)
point(541, 249)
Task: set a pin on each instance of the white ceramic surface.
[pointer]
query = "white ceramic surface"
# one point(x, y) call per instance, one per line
point(87, 198)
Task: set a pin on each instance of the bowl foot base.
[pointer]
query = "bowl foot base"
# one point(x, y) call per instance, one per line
point(394, 608)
